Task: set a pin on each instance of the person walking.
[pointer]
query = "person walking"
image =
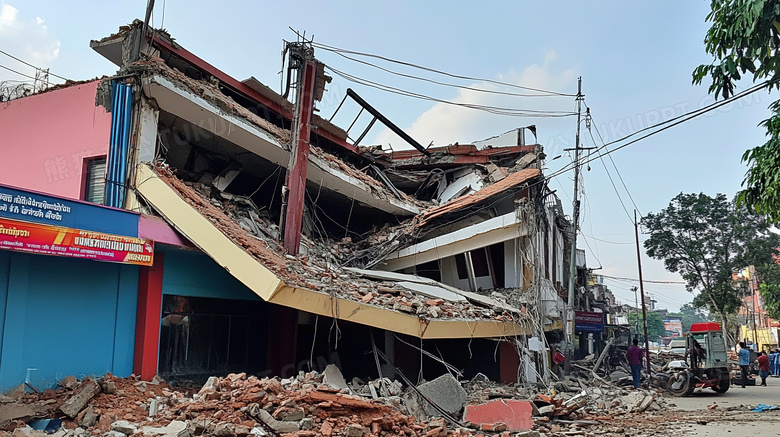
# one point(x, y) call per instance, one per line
point(634, 357)
point(744, 361)
point(763, 367)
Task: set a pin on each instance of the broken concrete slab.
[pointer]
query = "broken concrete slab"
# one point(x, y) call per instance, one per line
point(445, 391)
point(277, 425)
point(78, 401)
point(176, 428)
point(334, 378)
point(517, 415)
point(15, 411)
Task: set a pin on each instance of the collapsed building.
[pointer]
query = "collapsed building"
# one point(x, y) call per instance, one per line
point(280, 244)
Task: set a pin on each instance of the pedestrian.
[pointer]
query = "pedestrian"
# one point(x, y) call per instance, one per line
point(763, 367)
point(634, 357)
point(774, 362)
point(744, 361)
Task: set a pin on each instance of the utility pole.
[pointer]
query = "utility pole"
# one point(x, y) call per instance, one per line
point(642, 290)
point(575, 220)
point(302, 58)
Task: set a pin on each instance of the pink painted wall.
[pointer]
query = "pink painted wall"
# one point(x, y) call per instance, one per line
point(45, 138)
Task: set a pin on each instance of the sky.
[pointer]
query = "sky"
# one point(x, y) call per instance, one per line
point(635, 60)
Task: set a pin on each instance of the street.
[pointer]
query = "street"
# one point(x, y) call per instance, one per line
point(732, 416)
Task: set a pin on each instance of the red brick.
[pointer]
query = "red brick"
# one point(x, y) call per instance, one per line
point(517, 415)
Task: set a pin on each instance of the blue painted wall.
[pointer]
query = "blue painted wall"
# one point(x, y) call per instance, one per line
point(64, 317)
point(195, 274)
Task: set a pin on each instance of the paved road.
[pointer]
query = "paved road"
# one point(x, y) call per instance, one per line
point(739, 421)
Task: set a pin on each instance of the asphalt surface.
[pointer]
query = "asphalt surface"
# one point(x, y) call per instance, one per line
point(734, 405)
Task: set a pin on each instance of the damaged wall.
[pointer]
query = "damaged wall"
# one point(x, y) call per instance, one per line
point(47, 136)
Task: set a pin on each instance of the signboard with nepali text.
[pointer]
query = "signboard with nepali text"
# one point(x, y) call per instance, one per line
point(586, 321)
point(47, 239)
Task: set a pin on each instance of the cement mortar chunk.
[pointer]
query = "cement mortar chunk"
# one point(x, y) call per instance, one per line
point(225, 430)
point(354, 430)
point(124, 427)
point(306, 423)
point(69, 381)
point(211, 385)
point(114, 434)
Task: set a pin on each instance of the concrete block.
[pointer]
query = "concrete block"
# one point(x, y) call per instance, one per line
point(77, 402)
point(277, 425)
point(516, 414)
point(446, 392)
point(114, 434)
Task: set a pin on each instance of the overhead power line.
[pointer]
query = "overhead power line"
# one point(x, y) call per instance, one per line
point(491, 109)
point(644, 280)
point(662, 126)
point(17, 72)
point(452, 85)
point(31, 65)
point(433, 70)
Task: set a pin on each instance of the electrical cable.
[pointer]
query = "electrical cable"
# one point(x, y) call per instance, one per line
point(669, 124)
point(33, 66)
point(617, 193)
point(17, 72)
point(432, 70)
point(452, 85)
point(595, 126)
point(491, 109)
point(644, 280)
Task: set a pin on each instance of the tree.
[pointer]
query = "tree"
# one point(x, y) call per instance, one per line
point(655, 325)
point(769, 288)
point(744, 40)
point(706, 239)
point(691, 314)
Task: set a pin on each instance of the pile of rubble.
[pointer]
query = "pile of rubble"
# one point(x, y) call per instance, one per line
point(314, 404)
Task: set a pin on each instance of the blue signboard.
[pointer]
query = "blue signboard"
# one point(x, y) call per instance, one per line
point(40, 208)
point(585, 321)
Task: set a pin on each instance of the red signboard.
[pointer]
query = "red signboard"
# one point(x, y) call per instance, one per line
point(73, 243)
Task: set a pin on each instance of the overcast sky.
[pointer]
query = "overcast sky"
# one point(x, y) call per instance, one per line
point(635, 59)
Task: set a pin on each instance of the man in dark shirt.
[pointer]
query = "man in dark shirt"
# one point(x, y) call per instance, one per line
point(634, 357)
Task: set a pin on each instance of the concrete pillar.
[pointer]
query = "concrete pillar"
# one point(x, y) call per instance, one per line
point(282, 341)
point(509, 361)
point(147, 326)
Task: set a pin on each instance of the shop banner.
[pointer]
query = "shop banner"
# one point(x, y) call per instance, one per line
point(585, 321)
point(73, 243)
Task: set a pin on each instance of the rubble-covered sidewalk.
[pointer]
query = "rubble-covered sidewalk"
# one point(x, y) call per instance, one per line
point(314, 404)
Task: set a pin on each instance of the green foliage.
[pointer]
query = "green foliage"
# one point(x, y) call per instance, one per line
point(705, 239)
point(655, 325)
point(690, 315)
point(769, 288)
point(743, 40)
